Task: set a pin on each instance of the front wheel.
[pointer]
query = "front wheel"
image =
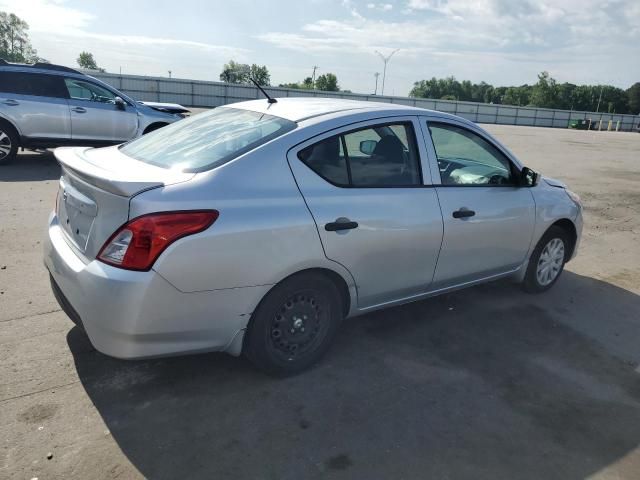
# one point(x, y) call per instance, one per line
point(294, 325)
point(547, 261)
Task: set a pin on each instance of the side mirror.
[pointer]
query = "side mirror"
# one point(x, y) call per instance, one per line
point(368, 146)
point(120, 103)
point(528, 178)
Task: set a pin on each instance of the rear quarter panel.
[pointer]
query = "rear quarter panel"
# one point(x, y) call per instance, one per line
point(264, 232)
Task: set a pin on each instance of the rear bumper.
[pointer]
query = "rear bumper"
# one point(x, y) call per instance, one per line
point(139, 314)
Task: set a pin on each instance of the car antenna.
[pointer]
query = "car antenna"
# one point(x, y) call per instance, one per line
point(269, 99)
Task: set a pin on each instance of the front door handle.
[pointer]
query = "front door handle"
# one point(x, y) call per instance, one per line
point(79, 109)
point(11, 102)
point(341, 223)
point(463, 213)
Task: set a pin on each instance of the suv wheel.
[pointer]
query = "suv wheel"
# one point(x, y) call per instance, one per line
point(8, 144)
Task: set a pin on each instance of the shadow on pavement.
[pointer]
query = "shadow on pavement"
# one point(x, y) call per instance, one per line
point(483, 383)
point(31, 166)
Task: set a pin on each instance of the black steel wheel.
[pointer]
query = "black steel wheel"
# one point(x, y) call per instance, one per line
point(293, 326)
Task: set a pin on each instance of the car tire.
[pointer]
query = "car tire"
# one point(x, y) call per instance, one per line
point(8, 143)
point(294, 325)
point(547, 261)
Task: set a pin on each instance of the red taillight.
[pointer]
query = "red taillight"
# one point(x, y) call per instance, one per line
point(137, 244)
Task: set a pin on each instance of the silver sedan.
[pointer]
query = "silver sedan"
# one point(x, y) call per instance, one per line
point(257, 227)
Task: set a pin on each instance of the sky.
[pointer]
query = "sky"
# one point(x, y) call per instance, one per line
point(503, 42)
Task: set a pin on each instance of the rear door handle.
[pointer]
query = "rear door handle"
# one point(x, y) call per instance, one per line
point(341, 223)
point(11, 102)
point(79, 109)
point(463, 213)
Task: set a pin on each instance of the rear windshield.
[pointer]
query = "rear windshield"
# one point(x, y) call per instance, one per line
point(207, 140)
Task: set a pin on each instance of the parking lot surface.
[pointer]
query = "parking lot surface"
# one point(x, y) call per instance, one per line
point(482, 383)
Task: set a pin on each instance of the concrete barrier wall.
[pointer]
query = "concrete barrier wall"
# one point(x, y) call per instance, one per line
point(195, 93)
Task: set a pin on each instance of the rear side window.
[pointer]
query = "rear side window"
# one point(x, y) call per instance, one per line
point(207, 140)
point(37, 84)
point(383, 155)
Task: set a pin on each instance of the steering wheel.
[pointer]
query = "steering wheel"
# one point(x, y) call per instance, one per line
point(497, 180)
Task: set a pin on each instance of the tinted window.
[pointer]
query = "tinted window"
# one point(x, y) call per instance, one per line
point(465, 158)
point(81, 90)
point(207, 140)
point(379, 156)
point(32, 84)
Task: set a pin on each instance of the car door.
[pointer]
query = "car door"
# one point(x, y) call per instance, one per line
point(36, 103)
point(374, 214)
point(95, 116)
point(488, 217)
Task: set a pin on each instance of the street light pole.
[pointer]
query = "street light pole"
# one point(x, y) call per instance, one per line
point(385, 60)
point(599, 98)
point(377, 74)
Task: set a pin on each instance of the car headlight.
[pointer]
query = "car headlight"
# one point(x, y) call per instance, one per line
point(574, 196)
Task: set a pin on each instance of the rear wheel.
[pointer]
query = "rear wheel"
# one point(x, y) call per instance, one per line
point(294, 325)
point(547, 261)
point(8, 143)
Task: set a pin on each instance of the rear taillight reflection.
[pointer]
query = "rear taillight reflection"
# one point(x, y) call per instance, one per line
point(137, 244)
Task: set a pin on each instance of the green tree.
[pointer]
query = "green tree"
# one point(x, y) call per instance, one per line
point(518, 96)
point(545, 92)
point(86, 60)
point(426, 89)
point(633, 98)
point(290, 85)
point(260, 74)
point(234, 72)
point(15, 45)
point(327, 82)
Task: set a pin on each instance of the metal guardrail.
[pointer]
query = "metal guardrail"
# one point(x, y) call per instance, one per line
point(196, 93)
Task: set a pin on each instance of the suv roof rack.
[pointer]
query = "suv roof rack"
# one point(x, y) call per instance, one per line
point(40, 65)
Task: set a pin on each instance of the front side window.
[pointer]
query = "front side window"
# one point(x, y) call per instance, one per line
point(465, 158)
point(36, 84)
point(207, 140)
point(379, 156)
point(81, 90)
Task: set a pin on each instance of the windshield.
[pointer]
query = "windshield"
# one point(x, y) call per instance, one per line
point(207, 140)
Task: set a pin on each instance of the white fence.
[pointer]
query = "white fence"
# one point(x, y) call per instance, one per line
point(196, 93)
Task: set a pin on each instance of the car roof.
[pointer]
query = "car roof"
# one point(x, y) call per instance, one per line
point(298, 109)
point(47, 68)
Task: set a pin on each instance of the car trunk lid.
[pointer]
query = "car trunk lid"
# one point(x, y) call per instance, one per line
point(96, 187)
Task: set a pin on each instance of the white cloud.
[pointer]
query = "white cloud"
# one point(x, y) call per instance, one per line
point(59, 32)
point(501, 41)
point(47, 16)
point(384, 7)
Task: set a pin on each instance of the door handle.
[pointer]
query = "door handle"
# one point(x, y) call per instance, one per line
point(463, 213)
point(341, 223)
point(79, 109)
point(11, 102)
